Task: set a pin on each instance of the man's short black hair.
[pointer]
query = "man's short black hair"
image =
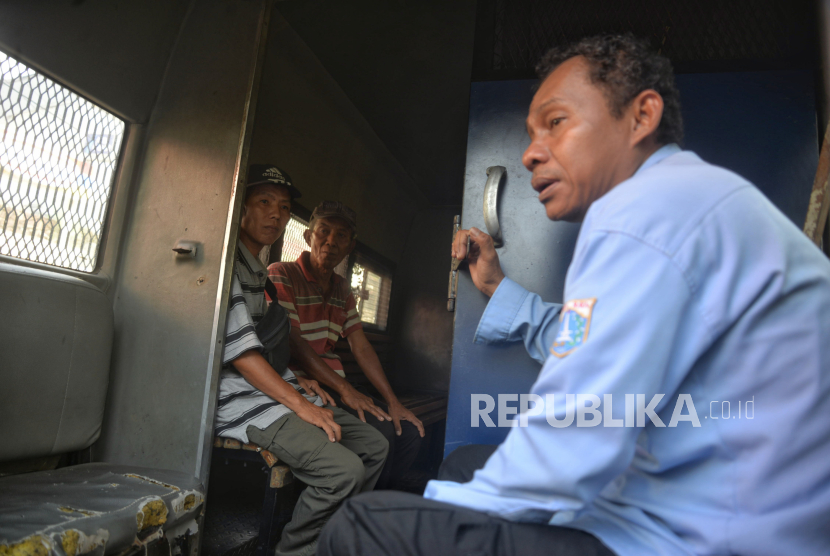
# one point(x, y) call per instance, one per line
point(623, 66)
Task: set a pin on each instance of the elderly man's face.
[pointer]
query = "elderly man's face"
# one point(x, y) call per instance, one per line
point(578, 150)
point(330, 241)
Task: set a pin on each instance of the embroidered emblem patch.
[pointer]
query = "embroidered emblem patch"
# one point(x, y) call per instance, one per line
point(574, 323)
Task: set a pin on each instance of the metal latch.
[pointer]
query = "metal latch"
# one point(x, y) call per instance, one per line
point(185, 248)
point(453, 287)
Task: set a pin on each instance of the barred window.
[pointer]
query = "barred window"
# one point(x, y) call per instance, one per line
point(58, 154)
point(372, 287)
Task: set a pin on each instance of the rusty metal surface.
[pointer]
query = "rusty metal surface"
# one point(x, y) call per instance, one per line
point(280, 476)
point(96, 508)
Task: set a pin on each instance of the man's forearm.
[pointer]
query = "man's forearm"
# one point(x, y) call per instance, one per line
point(369, 363)
point(515, 315)
point(256, 370)
point(313, 365)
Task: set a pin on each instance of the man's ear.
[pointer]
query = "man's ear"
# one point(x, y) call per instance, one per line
point(351, 246)
point(307, 237)
point(646, 111)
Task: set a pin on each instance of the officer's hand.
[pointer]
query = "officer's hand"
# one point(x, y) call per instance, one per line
point(313, 387)
point(361, 403)
point(482, 259)
point(320, 417)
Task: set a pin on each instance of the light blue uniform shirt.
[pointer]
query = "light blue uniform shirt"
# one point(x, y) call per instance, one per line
point(701, 287)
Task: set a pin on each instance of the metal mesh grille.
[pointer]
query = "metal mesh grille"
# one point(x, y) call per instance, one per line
point(293, 243)
point(57, 159)
point(698, 31)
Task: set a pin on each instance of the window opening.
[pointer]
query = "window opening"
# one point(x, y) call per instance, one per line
point(372, 288)
point(58, 154)
point(293, 242)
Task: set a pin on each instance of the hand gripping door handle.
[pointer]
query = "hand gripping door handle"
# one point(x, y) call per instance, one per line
point(495, 175)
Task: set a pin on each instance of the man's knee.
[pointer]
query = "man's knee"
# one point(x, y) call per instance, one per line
point(349, 474)
point(356, 516)
point(384, 428)
point(377, 445)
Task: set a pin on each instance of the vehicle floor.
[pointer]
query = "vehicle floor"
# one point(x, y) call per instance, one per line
point(234, 505)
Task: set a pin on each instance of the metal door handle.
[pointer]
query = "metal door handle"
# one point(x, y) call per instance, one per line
point(495, 175)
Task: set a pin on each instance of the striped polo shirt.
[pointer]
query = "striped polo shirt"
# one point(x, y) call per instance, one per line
point(321, 320)
point(240, 404)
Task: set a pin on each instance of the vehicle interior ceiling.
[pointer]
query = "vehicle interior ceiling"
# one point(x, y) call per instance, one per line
point(364, 101)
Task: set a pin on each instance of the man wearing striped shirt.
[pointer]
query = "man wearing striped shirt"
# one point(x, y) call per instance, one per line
point(322, 309)
point(331, 451)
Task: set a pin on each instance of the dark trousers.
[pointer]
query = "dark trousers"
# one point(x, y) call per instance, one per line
point(403, 524)
point(403, 449)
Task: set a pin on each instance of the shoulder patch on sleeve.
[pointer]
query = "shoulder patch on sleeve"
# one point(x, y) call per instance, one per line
point(574, 323)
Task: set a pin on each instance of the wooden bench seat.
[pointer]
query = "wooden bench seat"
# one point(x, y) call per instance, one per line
point(279, 476)
point(429, 408)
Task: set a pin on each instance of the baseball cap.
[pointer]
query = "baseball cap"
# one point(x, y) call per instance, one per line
point(261, 174)
point(334, 209)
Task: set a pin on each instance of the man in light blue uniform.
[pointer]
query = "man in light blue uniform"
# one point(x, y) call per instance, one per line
point(686, 282)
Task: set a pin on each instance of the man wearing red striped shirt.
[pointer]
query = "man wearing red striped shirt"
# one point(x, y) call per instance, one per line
point(321, 305)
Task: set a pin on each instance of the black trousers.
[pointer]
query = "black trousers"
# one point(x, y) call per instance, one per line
point(402, 524)
point(403, 449)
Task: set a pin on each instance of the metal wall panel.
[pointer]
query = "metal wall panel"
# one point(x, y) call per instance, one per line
point(169, 311)
point(113, 51)
point(536, 254)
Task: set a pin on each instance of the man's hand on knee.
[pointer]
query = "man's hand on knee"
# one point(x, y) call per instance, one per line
point(362, 403)
point(320, 417)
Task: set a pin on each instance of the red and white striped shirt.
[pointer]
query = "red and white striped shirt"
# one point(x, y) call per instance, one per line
point(321, 320)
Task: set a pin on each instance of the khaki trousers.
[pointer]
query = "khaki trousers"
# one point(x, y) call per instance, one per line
point(333, 471)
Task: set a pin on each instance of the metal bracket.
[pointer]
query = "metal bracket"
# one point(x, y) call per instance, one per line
point(453, 287)
point(495, 175)
point(186, 248)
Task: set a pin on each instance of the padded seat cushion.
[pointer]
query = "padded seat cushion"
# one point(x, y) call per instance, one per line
point(95, 508)
point(55, 343)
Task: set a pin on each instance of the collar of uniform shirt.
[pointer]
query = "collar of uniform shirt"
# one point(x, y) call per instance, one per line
point(663, 152)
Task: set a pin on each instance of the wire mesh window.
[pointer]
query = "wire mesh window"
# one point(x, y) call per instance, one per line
point(57, 160)
point(293, 244)
point(372, 288)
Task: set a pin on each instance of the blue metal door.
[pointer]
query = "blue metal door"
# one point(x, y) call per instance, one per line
point(761, 125)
